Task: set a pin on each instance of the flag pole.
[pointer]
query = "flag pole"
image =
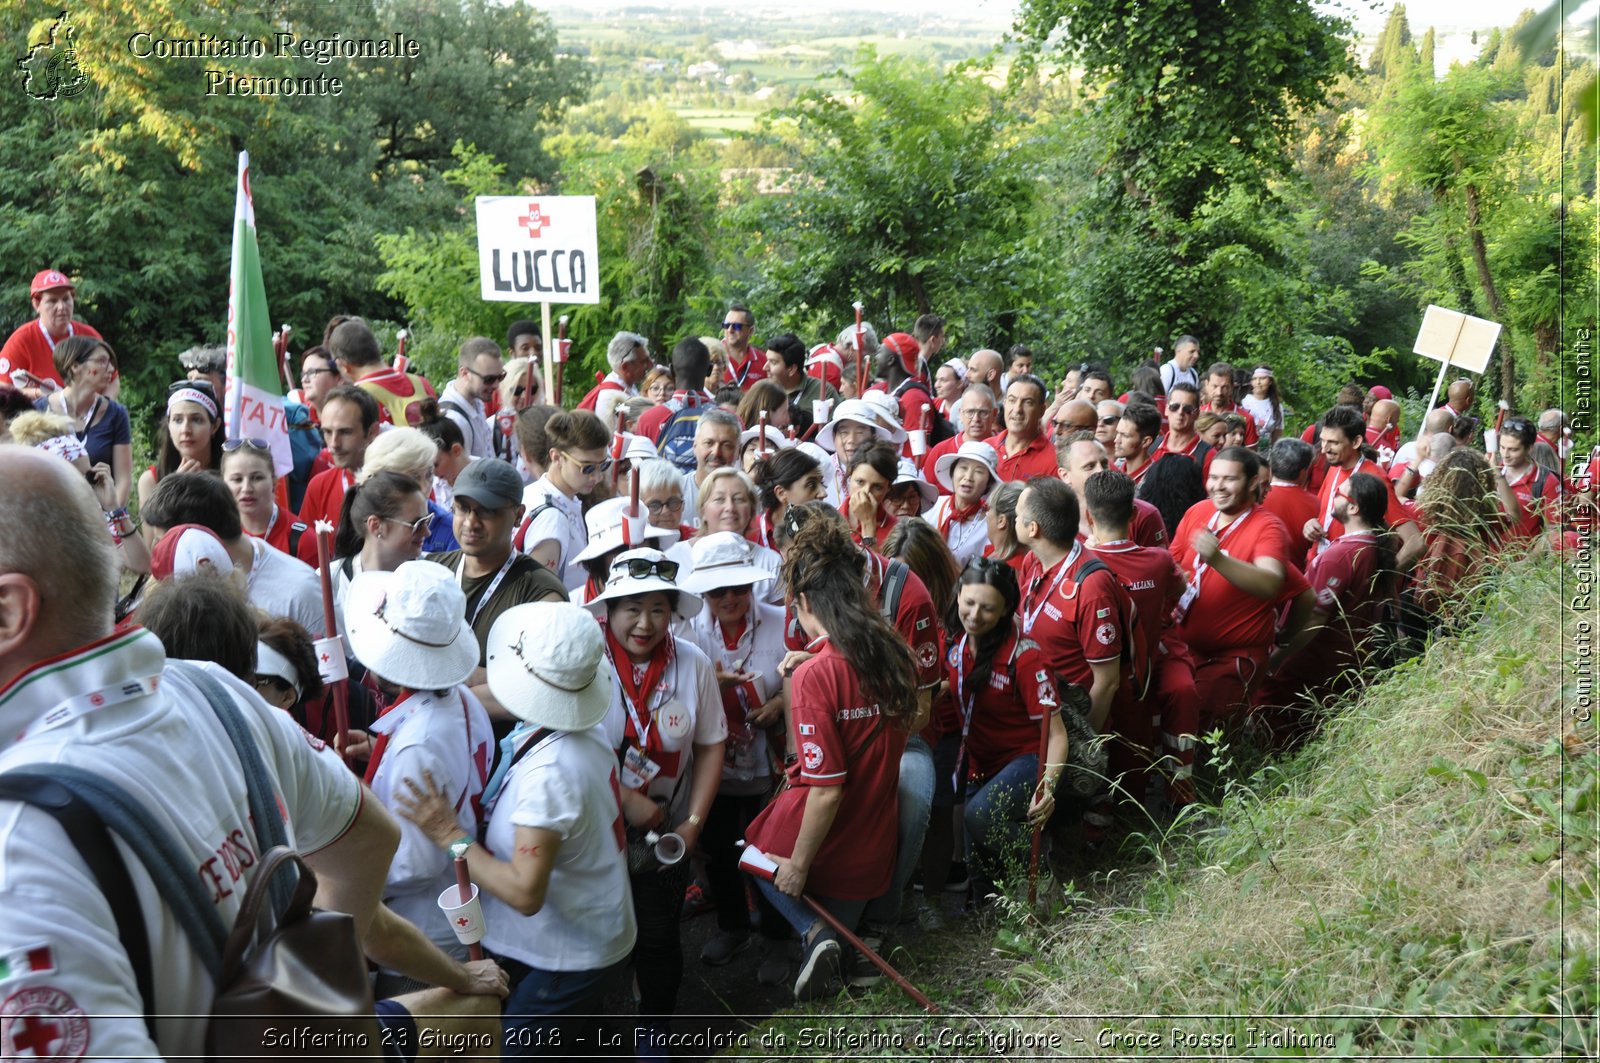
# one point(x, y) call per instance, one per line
point(561, 357)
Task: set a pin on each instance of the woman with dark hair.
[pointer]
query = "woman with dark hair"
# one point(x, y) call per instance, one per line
point(784, 479)
point(1145, 380)
point(764, 397)
point(831, 833)
point(871, 472)
point(1000, 690)
point(286, 676)
point(1002, 526)
point(189, 438)
point(88, 365)
point(12, 404)
point(1172, 485)
point(382, 525)
point(203, 616)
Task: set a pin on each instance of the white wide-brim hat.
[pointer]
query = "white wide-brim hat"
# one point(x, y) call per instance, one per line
point(970, 450)
point(409, 626)
point(908, 475)
point(622, 584)
point(723, 559)
point(546, 665)
point(887, 411)
point(604, 524)
point(776, 440)
point(638, 448)
point(857, 411)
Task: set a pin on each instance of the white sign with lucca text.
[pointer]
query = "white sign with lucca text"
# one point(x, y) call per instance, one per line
point(538, 249)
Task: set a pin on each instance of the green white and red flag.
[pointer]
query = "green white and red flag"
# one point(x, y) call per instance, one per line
point(253, 406)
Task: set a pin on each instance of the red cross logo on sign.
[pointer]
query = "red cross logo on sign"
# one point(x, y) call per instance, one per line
point(534, 221)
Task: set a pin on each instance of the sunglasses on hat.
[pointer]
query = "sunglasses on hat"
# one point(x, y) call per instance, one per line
point(644, 568)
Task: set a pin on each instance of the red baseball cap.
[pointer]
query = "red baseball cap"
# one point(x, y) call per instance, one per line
point(1378, 391)
point(906, 346)
point(47, 279)
point(187, 549)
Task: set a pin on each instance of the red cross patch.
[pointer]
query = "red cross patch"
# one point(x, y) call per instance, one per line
point(534, 221)
point(811, 756)
point(42, 1022)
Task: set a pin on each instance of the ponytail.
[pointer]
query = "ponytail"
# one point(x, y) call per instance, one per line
point(378, 495)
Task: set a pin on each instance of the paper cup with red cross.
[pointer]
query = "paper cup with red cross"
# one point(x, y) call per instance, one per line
point(466, 917)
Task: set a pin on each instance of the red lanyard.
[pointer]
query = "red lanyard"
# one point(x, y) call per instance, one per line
point(636, 694)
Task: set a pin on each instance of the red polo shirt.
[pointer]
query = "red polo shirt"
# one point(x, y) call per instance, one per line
point(1393, 513)
point(1224, 620)
point(1038, 458)
point(324, 500)
point(753, 368)
point(1294, 506)
point(1533, 512)
point(30, 348)
point(1152, 580)
point(1076, 623)
point(1007, 712)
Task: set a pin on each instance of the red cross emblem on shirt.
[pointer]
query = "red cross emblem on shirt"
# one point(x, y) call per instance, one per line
point(35, 1036)
point(534, 221)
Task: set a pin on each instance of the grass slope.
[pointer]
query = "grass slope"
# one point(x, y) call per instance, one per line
point(1418, 882)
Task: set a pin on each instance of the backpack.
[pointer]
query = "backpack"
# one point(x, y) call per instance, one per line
point(895, 575)
point(675, 441)
point(517, 540)
point(1136, 655)
point(305, 443)
point(938, 427)
point(419, 405)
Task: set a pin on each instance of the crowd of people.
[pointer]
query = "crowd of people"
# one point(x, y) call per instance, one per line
point(882, 616)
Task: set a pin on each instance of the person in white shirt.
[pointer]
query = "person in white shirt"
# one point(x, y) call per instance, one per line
point(479, 370)
point(557, 905)
point(1181, 369)
point(553, 531)
point(409, 628)
point(970, 474)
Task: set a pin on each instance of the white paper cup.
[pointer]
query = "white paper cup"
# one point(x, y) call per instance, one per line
point(466, 919)
point(821, 410)
point(669, 848)
point(331, 665)
point(633, 528)
point(1491, 441)
point(919, 441)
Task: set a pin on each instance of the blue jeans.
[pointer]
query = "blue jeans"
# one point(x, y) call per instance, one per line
point(996, 817)
point(549, 1011)
point(799, 913)
point(916, 798)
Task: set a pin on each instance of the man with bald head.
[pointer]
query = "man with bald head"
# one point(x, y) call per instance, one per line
point(84, 697)
point(1383, 430)
point(984, 367)
point(1460, 395)
point(1072, 417)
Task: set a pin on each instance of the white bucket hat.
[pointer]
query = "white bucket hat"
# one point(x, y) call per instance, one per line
point(638, 448)
point(656, 572)
point(776, 440)
point(957, 366)
point(604, 523)
point(908, 475)
point(887, 411)
point(859, 412)
point(970, 450)
point(723, 559)
point(546, 665)
point(409, 626)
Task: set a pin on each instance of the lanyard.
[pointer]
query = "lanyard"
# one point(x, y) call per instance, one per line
point(963, 703)
point(1200, 566)
point(83, 704)
point(48, 339)
point(494, 584)
point(1028, 618)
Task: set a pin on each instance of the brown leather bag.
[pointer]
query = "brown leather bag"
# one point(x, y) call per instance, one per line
point(304, 977)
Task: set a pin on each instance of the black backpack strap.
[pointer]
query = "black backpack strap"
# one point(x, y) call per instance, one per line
point(894, 584)
point(88, 834)
point(297, 528)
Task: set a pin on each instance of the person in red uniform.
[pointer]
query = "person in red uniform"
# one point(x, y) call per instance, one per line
point(831, 833)
point(747, 363)
point(1234, 555)
point(1001, 691)
point(1183, 406)
point(1080, 458)
point(31, 348)
point(1528, 494)
point(1073, 609)
point(349, 424)
point(1219, 399)
point(901, 369)
point(1025, 451)
point(1135, 438)
point(1342, 434)
point(1290, 465)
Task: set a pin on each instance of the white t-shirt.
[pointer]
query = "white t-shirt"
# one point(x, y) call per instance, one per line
point(966, 539)
point(168, 750)
point(280, 585)
point(1260, 409)
point(1172, 374)
point(567, 784)
point(685, 710)
point(474, 425)
point(561, 523)
point(452, 738)
point(760, 649)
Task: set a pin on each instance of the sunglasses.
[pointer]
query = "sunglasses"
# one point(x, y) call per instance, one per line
point(734, 326)
point(644, 568)
point(1068, 426)
point(671, 505)
point(1181, 407)
point(1109, 420)
point(416, 527)
point(493, 380)
point(231, 445)
point(590, 469)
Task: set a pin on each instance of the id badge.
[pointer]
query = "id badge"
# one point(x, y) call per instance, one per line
point(638, 769)
point(1190, 593)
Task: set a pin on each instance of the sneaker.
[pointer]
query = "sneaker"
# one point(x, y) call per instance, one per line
point(696, 900)
point(775, 966)
point(819, 969)
point(957, 882)
point(724, 946)
point(860, 972)
point(929, 917)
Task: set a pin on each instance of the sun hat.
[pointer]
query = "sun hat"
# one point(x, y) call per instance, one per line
point(906, 346)
point(187, 549)
point(46, 279)
point(815, 453)
point(655, 572)
point(638, 448)
point(723, 559)
point(270, 662)
point(490, 482)
point(410, 626)
point(776, 440)
point(887, 410)
point(545, 664)
point(908, 474)
point(604, 524)
point(859, 412)
point(957, 366)
point(972, 450)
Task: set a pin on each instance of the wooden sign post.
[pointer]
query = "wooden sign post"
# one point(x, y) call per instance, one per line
point(1454, 338)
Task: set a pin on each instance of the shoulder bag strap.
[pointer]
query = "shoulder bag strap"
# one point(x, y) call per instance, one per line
point(93, 841)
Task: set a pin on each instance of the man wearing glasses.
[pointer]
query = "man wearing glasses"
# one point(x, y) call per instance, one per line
point(746, 363)
point(553, 532)
point(628, 355)
point(1183, 406)
point(479, 370)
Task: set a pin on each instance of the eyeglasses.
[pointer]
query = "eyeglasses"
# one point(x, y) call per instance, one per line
point(493, 380)
point(416, 527)
point(973, 415)
point(311, 374)
point(734, 326)
point(590, 469)
point(1181, 407)
point(231, 445)
point(1109, 420)
point(670, 505)
point(644, 568)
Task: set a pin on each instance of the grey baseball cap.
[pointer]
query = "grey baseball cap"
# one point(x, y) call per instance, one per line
point(491, 483)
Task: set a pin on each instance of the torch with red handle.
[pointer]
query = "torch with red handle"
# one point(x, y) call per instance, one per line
point(330, 648)
point(861, 355)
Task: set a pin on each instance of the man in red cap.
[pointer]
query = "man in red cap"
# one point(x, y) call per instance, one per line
point(31, 348)
point(899, 365)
